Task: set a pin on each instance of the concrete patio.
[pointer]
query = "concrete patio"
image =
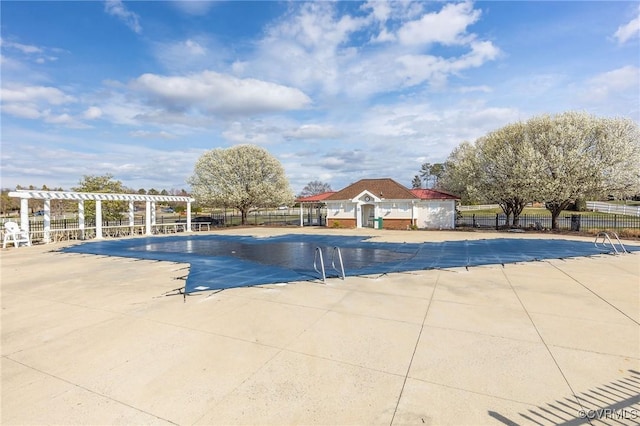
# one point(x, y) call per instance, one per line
point(103, 340)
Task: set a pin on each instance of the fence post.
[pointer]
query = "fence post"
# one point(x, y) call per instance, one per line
point(497, 223)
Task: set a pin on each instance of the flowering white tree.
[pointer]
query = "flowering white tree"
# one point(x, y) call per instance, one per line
point(461, 173)
point(244, 177)
point(506, 163)
point(579, 155)
point(553, 159)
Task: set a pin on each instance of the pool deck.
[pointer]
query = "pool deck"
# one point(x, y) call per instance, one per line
point(96, 340)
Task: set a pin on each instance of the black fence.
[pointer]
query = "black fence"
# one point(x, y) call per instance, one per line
point(270, 219)
point(573, 222)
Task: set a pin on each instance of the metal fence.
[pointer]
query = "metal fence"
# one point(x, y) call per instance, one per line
point(272, 218)
point(575, 222)
point(69, 228)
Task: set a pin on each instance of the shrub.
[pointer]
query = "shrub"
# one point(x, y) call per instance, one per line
point(580, 205)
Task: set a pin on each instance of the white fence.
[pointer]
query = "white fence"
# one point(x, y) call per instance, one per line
point(613, 208)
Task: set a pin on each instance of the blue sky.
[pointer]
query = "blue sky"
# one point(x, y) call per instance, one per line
point(337, 91)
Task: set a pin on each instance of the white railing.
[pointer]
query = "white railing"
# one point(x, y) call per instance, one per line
point(613, 208)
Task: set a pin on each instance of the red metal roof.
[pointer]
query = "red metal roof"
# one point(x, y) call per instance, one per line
point(315, 198)
point(432, 194)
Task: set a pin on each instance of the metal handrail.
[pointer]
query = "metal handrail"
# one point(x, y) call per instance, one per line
point(333, 263)
point(606, 240)
point(624, 249)
point(318, 254)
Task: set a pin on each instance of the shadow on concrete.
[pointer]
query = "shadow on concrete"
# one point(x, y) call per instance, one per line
point(617, 402)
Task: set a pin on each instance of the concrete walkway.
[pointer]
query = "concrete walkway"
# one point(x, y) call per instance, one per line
point(95, 340)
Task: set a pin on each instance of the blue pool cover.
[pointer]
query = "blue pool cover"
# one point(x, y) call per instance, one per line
point(226, 261)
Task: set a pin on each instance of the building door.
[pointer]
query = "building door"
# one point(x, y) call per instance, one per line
point(368, 214)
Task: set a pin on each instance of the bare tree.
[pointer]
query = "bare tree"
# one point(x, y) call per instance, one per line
point(243, 177)
point(315, 187)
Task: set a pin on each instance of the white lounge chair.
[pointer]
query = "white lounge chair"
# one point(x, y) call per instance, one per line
point(13, 233)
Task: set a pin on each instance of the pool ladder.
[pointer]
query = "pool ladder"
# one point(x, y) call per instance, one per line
point(318, 256)
point(607, 242)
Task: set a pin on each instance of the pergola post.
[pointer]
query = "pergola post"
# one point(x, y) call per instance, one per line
point(81, 219)
point(153, 214)
point(98, 218)
point(132, 210)
point(24, 214)
point(46, 236)
point(301, 214)
point(189, 216)
point(147, 218)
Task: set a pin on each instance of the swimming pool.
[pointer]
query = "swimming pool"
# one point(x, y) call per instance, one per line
point(227, 261)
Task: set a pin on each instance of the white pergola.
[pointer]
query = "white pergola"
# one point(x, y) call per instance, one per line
point(81, 197)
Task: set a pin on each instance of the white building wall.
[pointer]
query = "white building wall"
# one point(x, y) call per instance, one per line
point(341, 210)
point(437, 214)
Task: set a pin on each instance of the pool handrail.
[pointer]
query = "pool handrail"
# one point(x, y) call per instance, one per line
point(606, 240)
point(318, 254)
point(333, 261)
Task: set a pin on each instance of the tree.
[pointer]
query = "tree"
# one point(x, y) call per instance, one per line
point(416, 183)
point(554, 159)
point(8, 204)
point(243, 177)
point(111, 210)
point(432, 174)
point(580, 155)
point(437, 171)
point(425, 173)
point(461, 172)
point(506, 162)
point(315, 187)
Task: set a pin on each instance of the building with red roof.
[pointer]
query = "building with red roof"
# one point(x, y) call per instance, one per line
point(386, 204)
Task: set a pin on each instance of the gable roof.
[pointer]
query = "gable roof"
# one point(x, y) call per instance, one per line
point(315, 198)
point(433, 194)
point(382, 188)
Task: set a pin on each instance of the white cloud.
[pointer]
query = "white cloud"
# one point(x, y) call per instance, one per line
point(213, 93)
point(119, 10)
point(92, 113)
point(316, 44)
point(312, 131)
point(196, 53)
point(29, 111)
point(252, 132)
point(625, 80)
point(24, 48)
point(152, 135)
point(448, 26)
point(23, 93)
point(629, 30)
